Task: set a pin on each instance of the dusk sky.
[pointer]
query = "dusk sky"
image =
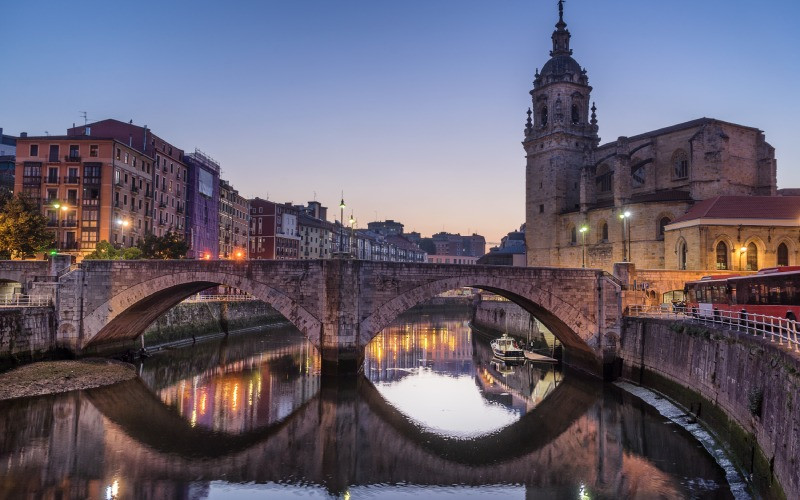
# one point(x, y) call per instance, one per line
point(414, 108)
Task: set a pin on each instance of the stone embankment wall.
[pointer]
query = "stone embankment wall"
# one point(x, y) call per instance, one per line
point(745, 388)
point(504, 316)
point(26, 333)
point(187, 320)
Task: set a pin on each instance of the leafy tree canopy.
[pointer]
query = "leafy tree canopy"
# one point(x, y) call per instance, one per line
point(23, 229)
point(106, 251)
point(170, 246)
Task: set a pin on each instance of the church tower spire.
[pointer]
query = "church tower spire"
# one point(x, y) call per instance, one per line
point(558, 144)
point(561, 35)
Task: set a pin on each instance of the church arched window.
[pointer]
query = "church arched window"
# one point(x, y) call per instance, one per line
point(603, 232)
point(662, 224)
point(722, 255)
point(573, 236)
point(638, 176)
point(604, 179)
point(783, 255)
point(576, 115)
point(543, 116)
point(682, 255)
point(680, 164)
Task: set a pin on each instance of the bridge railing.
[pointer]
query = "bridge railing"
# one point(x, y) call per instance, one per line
point(219, 298)
point(777, 329)
point(19, 300)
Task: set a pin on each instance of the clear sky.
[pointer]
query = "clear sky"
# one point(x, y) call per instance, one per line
point(414, 108)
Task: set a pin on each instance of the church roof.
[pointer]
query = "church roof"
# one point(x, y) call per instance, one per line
point(678, 126)
point(784, 208)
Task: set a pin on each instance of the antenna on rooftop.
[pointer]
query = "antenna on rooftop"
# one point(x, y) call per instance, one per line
point(315, 196)
point(84, 116)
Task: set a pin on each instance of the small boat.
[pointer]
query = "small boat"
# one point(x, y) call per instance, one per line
point(506, 348)
point(539, 358)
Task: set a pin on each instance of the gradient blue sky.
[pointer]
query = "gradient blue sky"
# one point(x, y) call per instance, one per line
point(414, 108)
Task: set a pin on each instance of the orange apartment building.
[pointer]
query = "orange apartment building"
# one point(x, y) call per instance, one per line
point(90, 188)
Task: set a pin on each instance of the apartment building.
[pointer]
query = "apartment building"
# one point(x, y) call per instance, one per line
point(89, 188)
point(273, 230)
point(234, 223)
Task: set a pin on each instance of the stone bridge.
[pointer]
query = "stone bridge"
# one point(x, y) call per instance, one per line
point(340, 305)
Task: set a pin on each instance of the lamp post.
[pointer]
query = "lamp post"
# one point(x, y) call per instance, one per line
point(626, 235)
point(353, 247)
point(122, 224)
point(341, 222)
point(583, 230)
point(59, 208)
point(741, 253)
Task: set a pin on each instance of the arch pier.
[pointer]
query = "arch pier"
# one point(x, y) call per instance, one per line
point(340, 305)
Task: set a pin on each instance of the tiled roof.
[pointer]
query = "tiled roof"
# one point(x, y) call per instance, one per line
point(745, 207)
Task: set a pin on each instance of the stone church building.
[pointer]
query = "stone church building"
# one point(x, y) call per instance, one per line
point(645, 198)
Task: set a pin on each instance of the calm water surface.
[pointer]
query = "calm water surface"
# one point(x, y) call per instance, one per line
point(433, 417)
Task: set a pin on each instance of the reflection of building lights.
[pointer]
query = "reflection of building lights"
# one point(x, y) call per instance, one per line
point(112, 491)
point(583, 494)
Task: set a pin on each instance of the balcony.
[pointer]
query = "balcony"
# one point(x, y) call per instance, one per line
point(53, 159)
point(52, 223)
point(51, 179)
point(72, 180)
point(116, 203)
point(91, 202)
point(119, 183)
point(162, 204)
point(69, 223)
point(68, 245)
point(180, 209)
point(72, 159)
point(32, 181)
point(162, 222)
point(134, 188)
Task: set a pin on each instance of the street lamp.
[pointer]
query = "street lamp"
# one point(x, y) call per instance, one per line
point(741, 253)
point(626, 235)
point(122, 224)
point(59, 208)
point(354, 248)
point(583, 230)
point(341, 221)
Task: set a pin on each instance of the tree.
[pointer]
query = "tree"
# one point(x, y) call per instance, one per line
point(23, 229)
point(106, 251)
point(170, 246)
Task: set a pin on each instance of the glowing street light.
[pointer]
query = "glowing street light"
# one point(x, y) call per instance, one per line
point(583, 230)
point(122, 224)
point(626, 235)
point(742, 251)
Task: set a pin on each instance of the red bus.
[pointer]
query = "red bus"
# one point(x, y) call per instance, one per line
point(772, 292)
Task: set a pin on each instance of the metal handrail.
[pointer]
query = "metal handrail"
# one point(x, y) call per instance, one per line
point(782, 330)
point(19, 300)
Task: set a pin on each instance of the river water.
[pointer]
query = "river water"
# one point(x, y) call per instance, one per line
point(434, 416)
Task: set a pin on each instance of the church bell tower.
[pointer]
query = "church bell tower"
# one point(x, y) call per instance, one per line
point(559, 139)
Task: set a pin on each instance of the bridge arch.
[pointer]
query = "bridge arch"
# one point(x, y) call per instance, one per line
point(126, 314)
point(574, 327)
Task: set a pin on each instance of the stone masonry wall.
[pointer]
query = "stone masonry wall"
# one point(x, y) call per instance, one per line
point(505, 316)
point(743, 387)
point(197, 318)
point(26, 333)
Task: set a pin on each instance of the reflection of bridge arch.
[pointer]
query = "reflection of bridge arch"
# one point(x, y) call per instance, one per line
point(565, 319)
point(147, 420)
point(128, 313)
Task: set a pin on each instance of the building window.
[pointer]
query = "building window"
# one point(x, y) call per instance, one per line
point(722, 255)
point(752, 257)
point(573, 235)
point(680, 163)
point(94, 150)
point(604, 182)
point(682, 255)
point(638, 176)
point(543, 116)
point(575, 114)
point(119, 153)
point(34, 150)
point(783, 255)
point(604, 233)
point(662, 224)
